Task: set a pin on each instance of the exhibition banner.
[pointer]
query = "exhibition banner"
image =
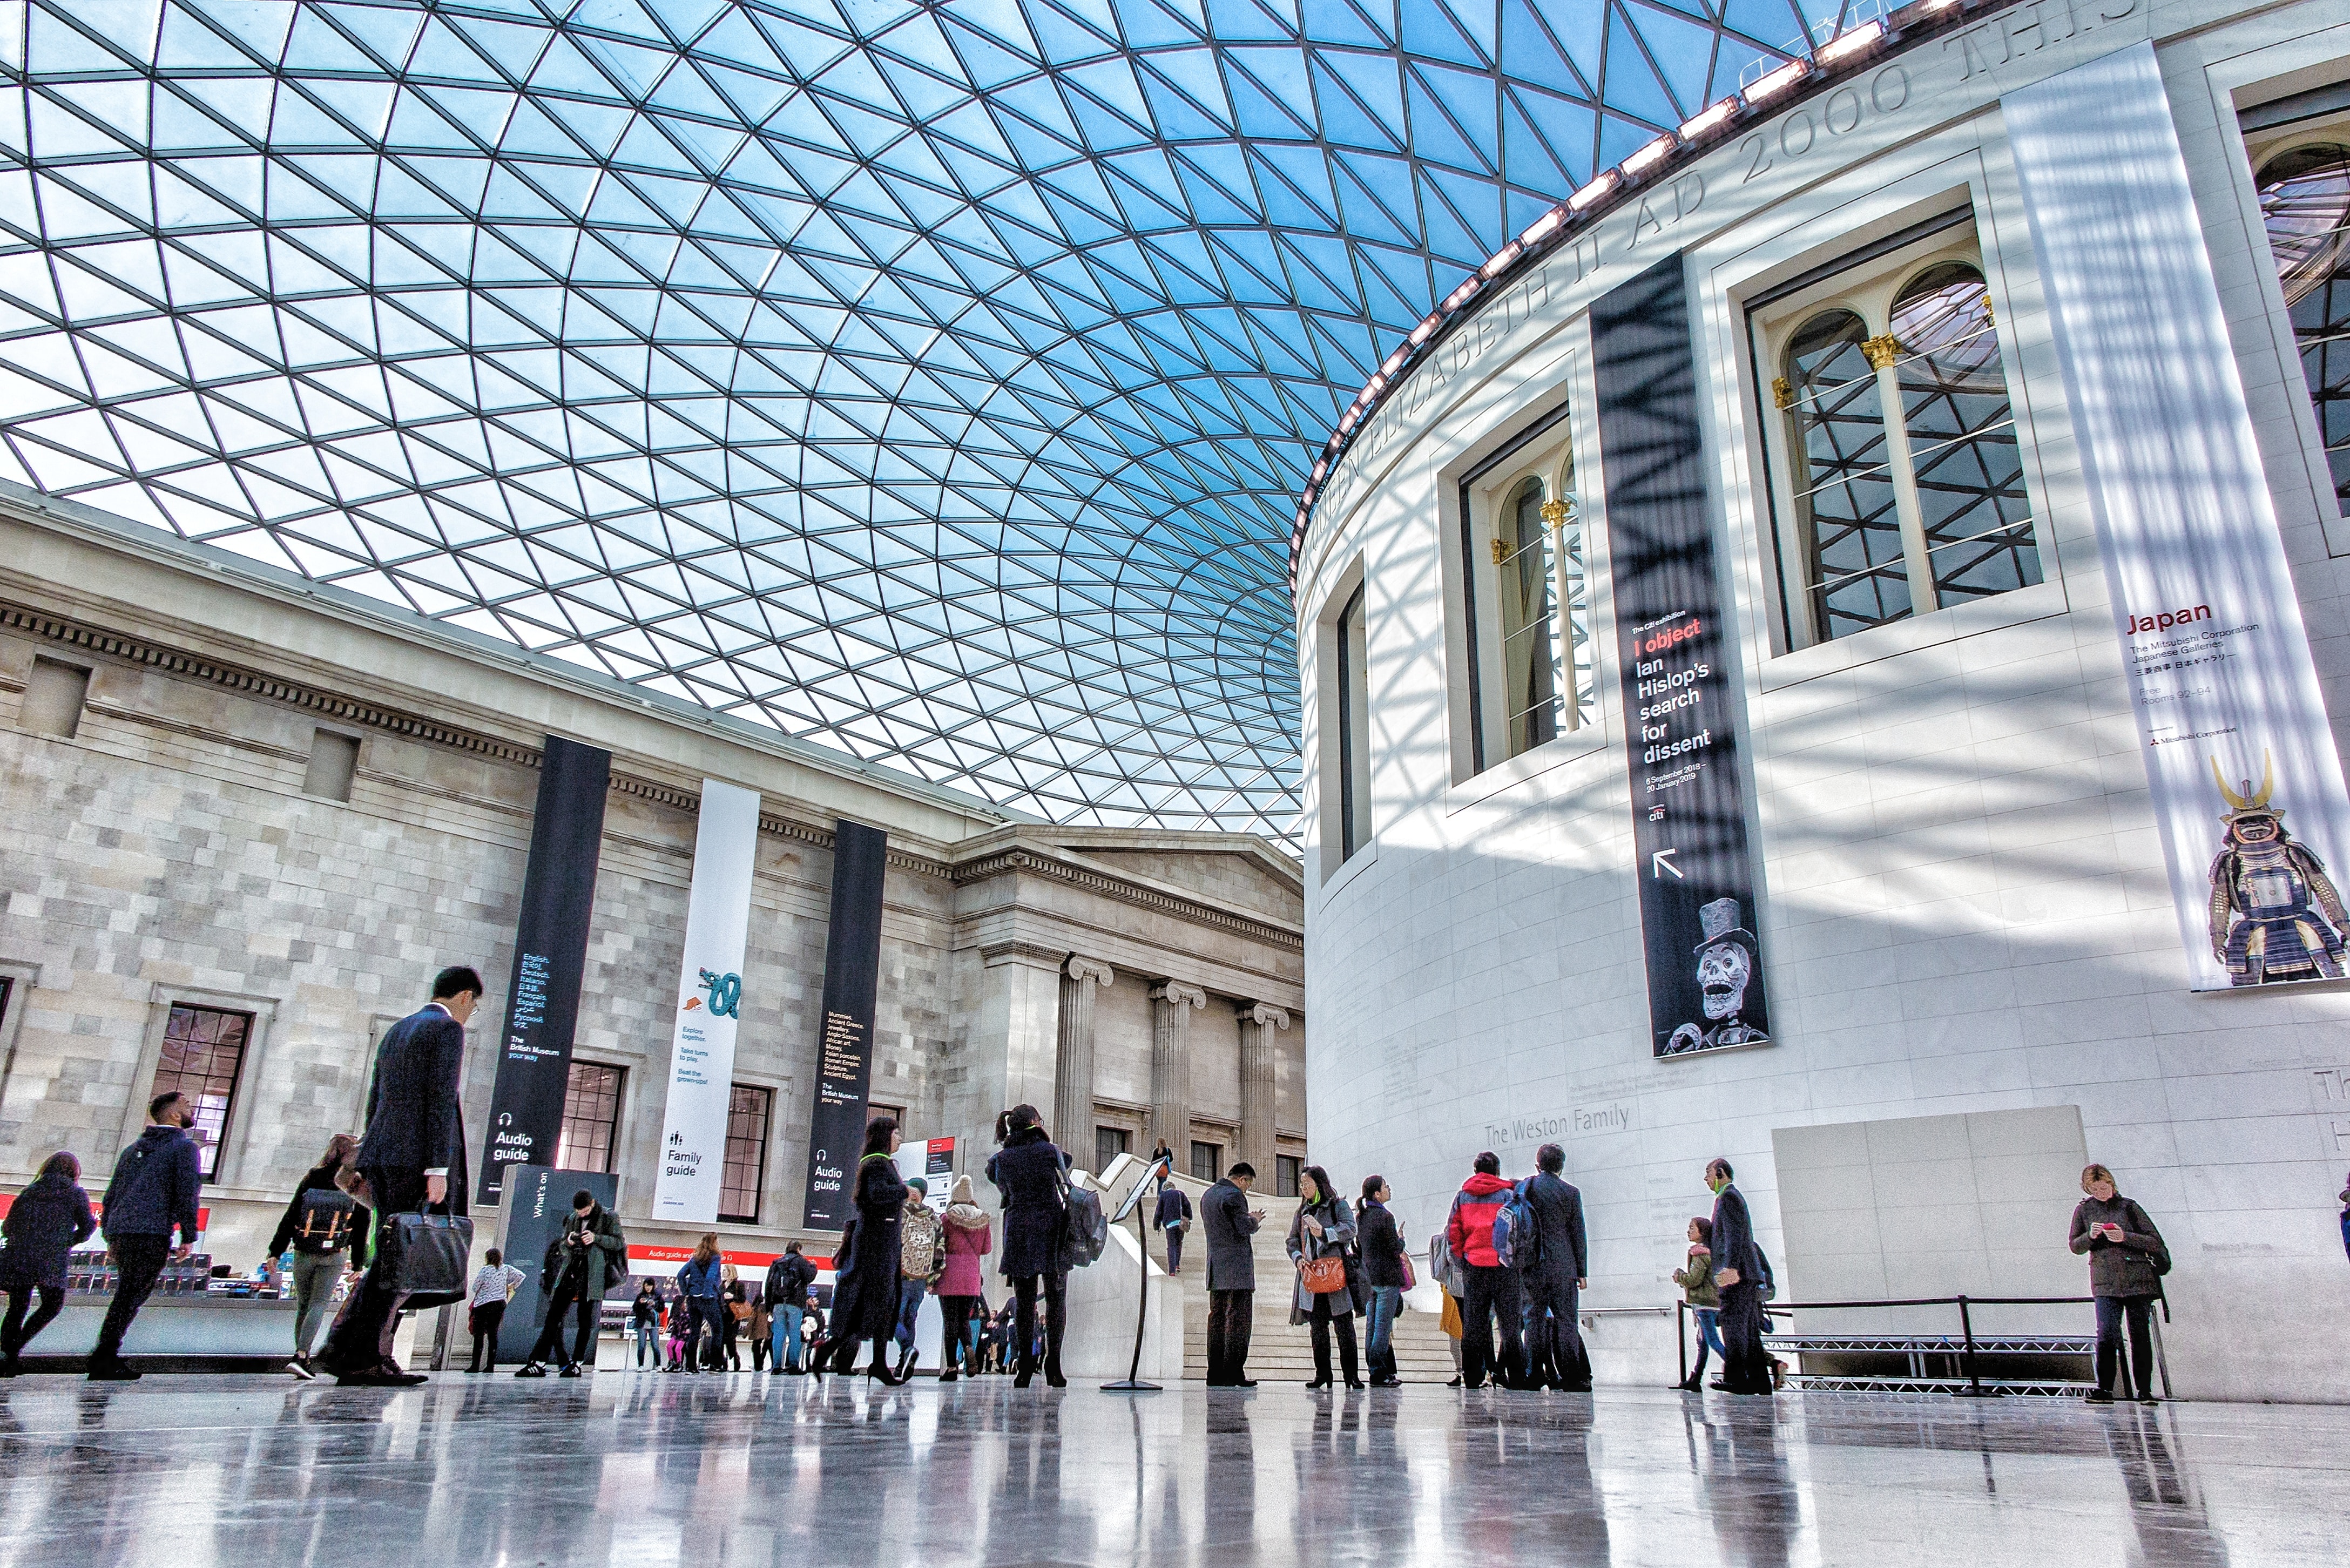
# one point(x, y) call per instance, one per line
point(1680, 716)
point(852, 982)
point(709, 1001)
point(558, 899)
point(932, 1160)
point(539, 1203)
point(2239, 758)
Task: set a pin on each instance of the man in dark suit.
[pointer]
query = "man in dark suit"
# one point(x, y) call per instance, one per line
point(1231, 1275)
point(414, 1157)
point(1559, 1271)
point(1746, 1364)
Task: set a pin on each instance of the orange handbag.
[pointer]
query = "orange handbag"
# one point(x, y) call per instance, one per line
point(1324, 1276)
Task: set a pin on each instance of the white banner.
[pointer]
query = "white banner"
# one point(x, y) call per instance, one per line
point(2247, 788)
point(709, 996)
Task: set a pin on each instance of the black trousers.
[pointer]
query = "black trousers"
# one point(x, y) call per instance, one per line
point(360, 1340)
point(1023, 1320)
point(1555, 1353)
point(704, 1340)
point(1230, 1316)
point(1492, 1293)
point(1323, 1320)
point(2139, 1311)
point(571, 1296)
point(1745, 1365)
point(955, 1350)
point(484, 1321)
point(16, 1330)
point(138, 1259)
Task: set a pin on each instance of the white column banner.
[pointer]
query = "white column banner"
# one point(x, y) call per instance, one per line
point(708, 994)
point(2247, 787)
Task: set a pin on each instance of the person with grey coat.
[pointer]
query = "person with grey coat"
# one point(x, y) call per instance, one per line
point(1324, 1228)
point(1229, 1223)
point(2128, 1260)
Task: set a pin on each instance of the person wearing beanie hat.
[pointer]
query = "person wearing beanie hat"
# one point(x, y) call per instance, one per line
point(921, 1258)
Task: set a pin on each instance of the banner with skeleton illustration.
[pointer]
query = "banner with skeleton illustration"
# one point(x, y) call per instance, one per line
point(2247, 786)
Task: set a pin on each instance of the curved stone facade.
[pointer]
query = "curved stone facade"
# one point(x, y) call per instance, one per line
point(1977, 967)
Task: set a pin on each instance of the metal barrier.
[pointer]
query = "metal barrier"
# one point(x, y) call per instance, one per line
point(1966, 1306)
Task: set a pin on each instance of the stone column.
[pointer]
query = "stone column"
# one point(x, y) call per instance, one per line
point(1073, 1080)
point(1258, 1021)
point(1011, 1047)
point(1171, 1066)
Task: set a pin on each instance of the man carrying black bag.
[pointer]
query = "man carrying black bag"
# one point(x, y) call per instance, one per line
point(413, 1159)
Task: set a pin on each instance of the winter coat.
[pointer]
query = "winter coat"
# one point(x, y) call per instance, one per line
point(2131, 1267)
point(1174, 1208)
point(610, 1247)
point(1338, 1238)
point(971, 1236)
point(1380, 1240)
point(787, 1281)
point(320, 1177)
point(1231, 1256)
point(1028, 1171)
point(1733, 1242)
point(48, 1220)
point(871, 1280)
point(1471, 1228)
point(154, 1187)
point(917, 1243)
point(1696, 1280)
point(703, 1281)
point(1563, 1251)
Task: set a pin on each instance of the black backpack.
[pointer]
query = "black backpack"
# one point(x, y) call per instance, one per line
point(323, 1223)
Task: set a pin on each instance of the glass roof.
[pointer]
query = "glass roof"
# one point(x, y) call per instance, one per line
point(934, 381)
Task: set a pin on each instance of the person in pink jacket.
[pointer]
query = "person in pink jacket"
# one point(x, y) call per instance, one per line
point(970, 1238)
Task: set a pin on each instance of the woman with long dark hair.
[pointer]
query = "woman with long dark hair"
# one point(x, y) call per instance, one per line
point(865, 1295)
point(1029, 1170)
point(48, 1220)
point(1380, 1241)
point(1324, 1228)
point(701, 1283)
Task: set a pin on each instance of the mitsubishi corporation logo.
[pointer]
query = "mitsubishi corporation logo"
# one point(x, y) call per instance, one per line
point(725, 993)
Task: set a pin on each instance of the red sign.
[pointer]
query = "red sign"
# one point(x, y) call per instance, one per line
point(665, 1260)
point(98, 1211)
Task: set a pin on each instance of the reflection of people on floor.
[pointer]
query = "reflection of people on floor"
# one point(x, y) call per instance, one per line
point(2173, 1527)
point(1743, 1479)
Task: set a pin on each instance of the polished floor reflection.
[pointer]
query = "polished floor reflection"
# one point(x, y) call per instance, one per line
point(643, 1469)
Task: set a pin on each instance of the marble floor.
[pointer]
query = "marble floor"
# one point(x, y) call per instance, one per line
point(646, 1471)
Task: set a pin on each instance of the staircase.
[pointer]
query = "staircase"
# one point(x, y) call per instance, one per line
point(1278, 1353)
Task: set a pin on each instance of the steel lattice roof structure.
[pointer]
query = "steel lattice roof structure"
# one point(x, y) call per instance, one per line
point(935, 381)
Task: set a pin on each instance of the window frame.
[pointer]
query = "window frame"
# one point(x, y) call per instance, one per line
point(213, 1153)
point(255, 1089)
point(1103, 1155)
point(1215, 1153)
point(1350, 644)
point(2268, 132)
point(612, 1128)
point(1288, 1170)
point(1866, 279)
point(766, 1143)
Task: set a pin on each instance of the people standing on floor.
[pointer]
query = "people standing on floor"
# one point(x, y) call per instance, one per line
point(1162, 1165)
point(486, 1307)
point(762, 1331)
point(1555, 1277)
point(676, 1318)
point(2127, 1259)
point(814, 1323)
point(1323, 1228)
point(1378, 1241)
point(1489, 1292)
point(321, 1224)
point(734, 1317)
point(413, 1159)
point(153, 1195)
point(1738, 1281)
point(922, 1255)
point(1031, 1171)
point(48, 1220)
point(1229, 1224)
point(589, 1257)
point(785, 1292)
point(999, 1342)
point(866, 1289)
point(1172, 1219)
point(1695, 1277)
point(701, 1282)
point(970, 1236)
point(644, 1324)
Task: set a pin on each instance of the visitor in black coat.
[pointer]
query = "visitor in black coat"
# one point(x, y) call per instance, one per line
point(413, 1159)
point(48, 1220)
point(1029, 1170)
point(866, 1299)
point(1738, 1278)
point(1561, 1269)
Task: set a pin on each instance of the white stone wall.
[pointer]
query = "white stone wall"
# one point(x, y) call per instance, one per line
point(1963, 898)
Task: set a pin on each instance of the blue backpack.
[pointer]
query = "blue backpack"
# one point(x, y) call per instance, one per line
point(1516, 1244)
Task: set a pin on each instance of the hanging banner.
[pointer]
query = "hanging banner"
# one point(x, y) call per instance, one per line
point(852, 982)
point(709, 1000)
point(1689, 786)
point(2239, 756)
point(541, 1204)
point(558, 898)
point(932, 1160)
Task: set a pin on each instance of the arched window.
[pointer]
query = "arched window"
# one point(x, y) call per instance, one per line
point(2305, 204)
point(1856, 575)
point(1961, 436)
point(1529, 651)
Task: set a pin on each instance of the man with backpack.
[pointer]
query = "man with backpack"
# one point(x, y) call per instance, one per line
point(320, 1224)
point(922, 1257)
point(1738, 1275)
point(1489, 1285)
point(785, 1292)
point(153, 1193)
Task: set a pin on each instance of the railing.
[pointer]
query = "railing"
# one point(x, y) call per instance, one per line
point(1966, 1305)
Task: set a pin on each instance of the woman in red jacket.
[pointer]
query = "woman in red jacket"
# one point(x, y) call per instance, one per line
point(1491, 1289)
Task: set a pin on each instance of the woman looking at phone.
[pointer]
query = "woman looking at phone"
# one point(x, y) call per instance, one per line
point(2126, 1262)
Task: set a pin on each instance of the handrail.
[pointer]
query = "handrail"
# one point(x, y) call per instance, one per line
point(1965, 1303)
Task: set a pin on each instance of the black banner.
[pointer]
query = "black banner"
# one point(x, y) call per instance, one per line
point(1689, 792)
point(852, 980)
point(558, 894)
point(542, 1204)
